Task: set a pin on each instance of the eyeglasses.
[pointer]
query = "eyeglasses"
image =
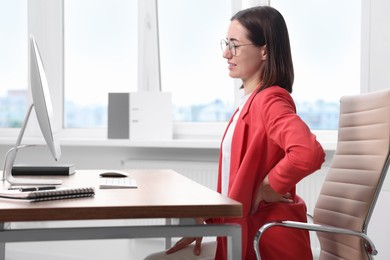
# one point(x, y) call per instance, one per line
point(232, 46)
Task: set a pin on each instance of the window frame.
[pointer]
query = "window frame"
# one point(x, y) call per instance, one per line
point(39, 12)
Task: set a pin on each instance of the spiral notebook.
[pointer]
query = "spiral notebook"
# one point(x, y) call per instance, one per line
point(44, 195)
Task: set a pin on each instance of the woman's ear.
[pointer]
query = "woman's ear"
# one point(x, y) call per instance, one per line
point(263, 52)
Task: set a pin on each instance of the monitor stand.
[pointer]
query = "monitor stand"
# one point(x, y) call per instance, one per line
point(7, 171)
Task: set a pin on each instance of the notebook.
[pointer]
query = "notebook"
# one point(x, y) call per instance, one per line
point(117, 183)
point(43, 195)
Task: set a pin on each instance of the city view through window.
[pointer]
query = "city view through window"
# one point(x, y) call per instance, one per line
point(318, 114)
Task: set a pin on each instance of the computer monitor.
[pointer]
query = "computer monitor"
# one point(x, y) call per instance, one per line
point(42, 99)
point(44, 112)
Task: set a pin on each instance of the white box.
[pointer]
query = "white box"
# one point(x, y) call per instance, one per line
point(150, 116)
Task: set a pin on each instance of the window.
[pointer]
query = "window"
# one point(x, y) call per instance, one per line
point(13, 63)
point(325, 43)
point(100, 57)
point(192, 66)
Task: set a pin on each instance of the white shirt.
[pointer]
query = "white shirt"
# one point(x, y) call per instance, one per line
point(227, 146)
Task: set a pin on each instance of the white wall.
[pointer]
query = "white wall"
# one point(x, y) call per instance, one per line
point(377, 76)
point(379, 42)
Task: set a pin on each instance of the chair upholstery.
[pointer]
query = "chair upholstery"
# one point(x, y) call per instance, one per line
point(352, 185)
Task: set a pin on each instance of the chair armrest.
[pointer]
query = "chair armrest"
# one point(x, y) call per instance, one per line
point(370, 247)
point(309, 218)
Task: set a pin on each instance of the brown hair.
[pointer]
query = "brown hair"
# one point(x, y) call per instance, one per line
point(266, 26)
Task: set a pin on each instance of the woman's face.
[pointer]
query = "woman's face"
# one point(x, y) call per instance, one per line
point(249, 60)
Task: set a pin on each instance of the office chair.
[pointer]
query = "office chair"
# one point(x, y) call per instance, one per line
point(352, 185)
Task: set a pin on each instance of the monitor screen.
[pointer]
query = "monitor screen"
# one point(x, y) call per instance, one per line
point(41, 99)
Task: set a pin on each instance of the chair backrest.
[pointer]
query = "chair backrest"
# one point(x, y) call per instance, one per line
point(356, 174)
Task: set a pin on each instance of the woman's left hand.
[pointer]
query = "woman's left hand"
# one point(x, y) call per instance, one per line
point(185, 241)
point(267, 194)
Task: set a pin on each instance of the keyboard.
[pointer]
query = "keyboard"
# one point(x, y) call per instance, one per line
point(117, 183)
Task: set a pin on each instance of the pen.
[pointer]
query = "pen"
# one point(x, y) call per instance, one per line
point(23, 189)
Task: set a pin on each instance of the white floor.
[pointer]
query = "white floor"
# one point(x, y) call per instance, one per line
point(115, 249)
point(129, 249)
point(118, 249)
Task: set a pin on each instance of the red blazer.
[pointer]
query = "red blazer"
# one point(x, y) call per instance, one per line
point(269, 138)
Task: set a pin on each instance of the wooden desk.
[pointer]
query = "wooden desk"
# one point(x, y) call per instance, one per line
point(160, 194)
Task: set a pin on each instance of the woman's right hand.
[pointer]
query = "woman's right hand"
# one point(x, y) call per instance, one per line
point(267, 194)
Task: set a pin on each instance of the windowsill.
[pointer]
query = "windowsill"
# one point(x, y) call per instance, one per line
point(174, 143)
point(98, 138)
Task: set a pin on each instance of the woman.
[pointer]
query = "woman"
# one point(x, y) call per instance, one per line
point(267, 149)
